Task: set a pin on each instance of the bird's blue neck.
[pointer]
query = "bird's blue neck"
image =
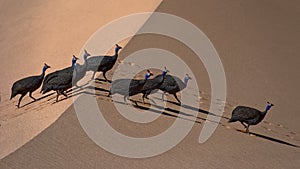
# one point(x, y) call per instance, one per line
point(164, 72)
point(73, 63)
point(85, 57)
point(44, 70)
point(147, 76)
point(116, 51)
point(268, 107)
point(185, 80)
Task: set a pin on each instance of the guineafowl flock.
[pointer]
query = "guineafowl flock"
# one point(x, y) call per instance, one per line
point(61, 80)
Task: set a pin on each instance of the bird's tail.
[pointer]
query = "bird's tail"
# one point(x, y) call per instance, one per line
point(13, 94)
point(45, 90)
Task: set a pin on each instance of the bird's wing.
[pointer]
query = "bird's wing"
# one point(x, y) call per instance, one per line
point(169, 88)
point(106, 61)
point(94, 62)
point(68, 70)
point(62, 79)
point(246, 113)
point(98, 61)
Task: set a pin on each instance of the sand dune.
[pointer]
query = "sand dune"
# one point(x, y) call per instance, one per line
point(36, 32)
point(258, 42)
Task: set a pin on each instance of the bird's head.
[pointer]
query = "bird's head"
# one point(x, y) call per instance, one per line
point(148, 74)
point(118, 48)
point(165, 71)
point(188, 77)
point(269, 105)
point(86, 54)
point(74, 60)
point(46, 67)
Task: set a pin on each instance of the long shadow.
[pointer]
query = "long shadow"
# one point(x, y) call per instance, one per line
point(270, 139)
point(79, 90)
point(160, 112)
point(168, 114)
point(78, 93)
point(38, 99)
point(103, 80)
point(97, 88)
point(171, 110)
point(194, 109)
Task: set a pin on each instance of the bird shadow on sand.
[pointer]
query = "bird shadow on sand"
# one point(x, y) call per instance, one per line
point(103, 80)
point(97, 89)
point(194, 109)
point(36, 100)
point(79, 91)
point(269, 138)
point(162, 110)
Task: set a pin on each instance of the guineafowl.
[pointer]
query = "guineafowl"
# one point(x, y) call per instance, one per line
point(173, 84)
point(249, 115)
point(29, 84)
point(68, 70)
point(153, 84)
point(128, 87)
point(60, 80)
point(103, 63)
point(81, 69)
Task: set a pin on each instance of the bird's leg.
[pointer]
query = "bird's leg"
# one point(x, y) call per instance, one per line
point(125, 101)
point(30, 95)
point(105, 76)
point(20, 100)
point(177, 98)
point(57, 94)
point(93, 75)
point(163, 96)
point(244, 124)
point(147, 93)
point(247, 129)
point(143, 98)
point(63, 93)
point(109, 93)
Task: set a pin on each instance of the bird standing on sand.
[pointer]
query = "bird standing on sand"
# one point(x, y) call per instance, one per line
point(103, 63)
point(29, 84)
point(81, 69)
point(249, 115)
point(128, 87)
point(60, 80)
point(153, 84)
point(173, 85)
point(68, 70)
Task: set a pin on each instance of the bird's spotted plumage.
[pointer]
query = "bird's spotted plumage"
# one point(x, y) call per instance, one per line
point(28, 85)
point(103, 63)
point(128, 87)
point(249, 116)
